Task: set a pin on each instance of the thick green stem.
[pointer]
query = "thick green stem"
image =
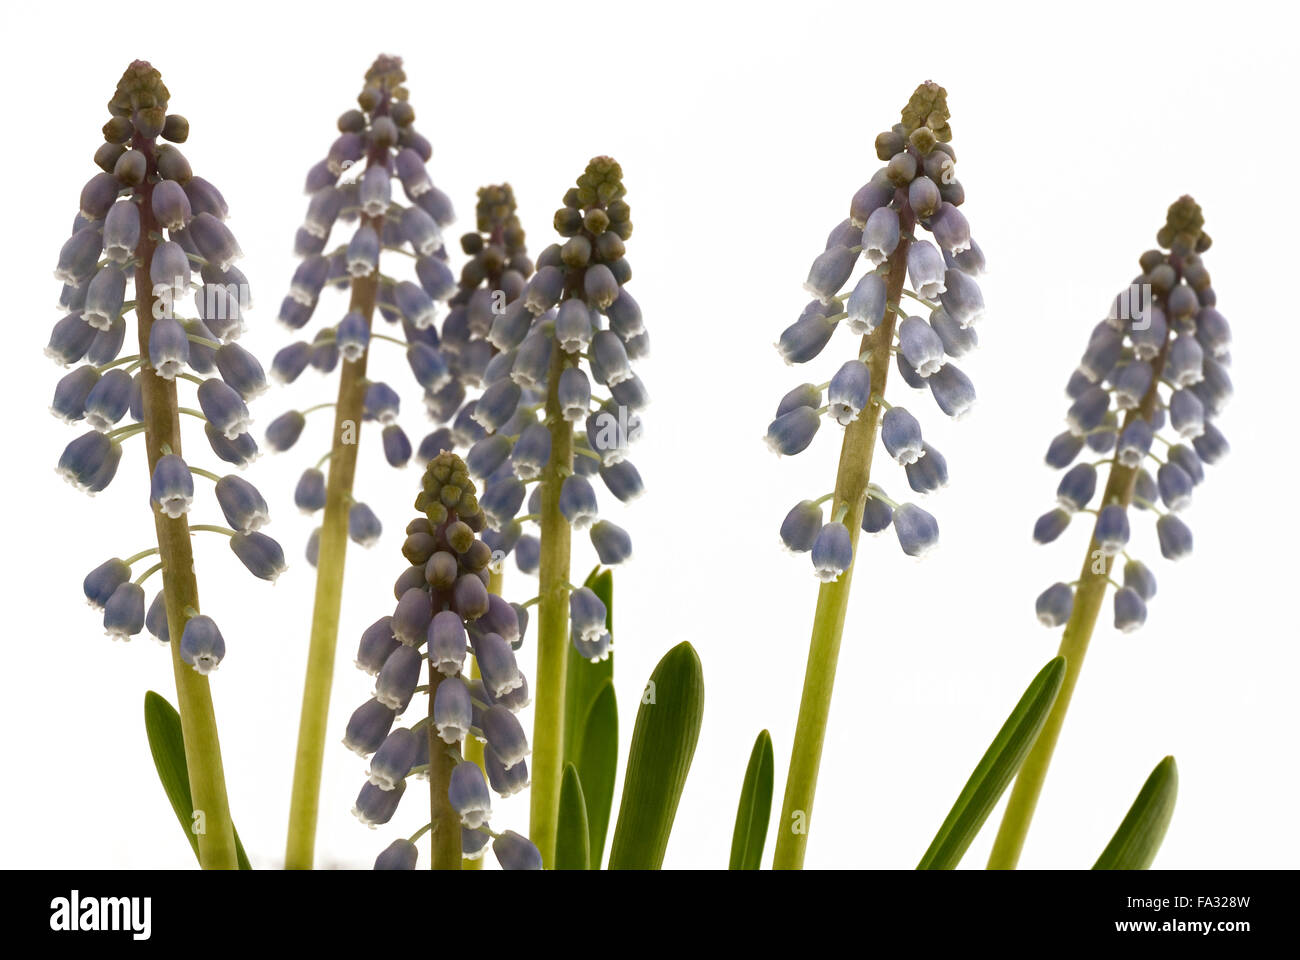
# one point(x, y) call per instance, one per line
point(305, 799)
point(1088, 598)
point(833, 598)
point(444, 835)
point(212, 823)
point(552, 628)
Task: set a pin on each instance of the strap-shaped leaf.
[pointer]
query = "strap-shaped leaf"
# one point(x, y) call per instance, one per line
point(598, 766)
point(995, 771)
point(750, 833)
point(1138, 838)
point(663, 744)
point(162, 724)
point(572, 836)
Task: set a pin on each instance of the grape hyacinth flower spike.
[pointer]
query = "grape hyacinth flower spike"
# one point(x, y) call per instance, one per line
point(543, 420)
point(446, 619)
point(916, 189)
point(162, 230)
point(491, 284)
point(377, 151)
point(1152, 381)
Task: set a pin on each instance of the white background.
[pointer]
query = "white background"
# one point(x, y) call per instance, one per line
point(743, 131)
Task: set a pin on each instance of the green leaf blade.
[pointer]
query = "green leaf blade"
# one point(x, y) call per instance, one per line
point(1139, 836)
point(663, 745)
point(996, 769)
point(572, 835)
point(598, 767)
point(750, 833)
point(162, 725)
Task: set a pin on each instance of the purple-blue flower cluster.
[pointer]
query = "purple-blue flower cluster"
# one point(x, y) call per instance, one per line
point(541, 351)
point(916, 187)
point(377, 153)
point(444, 617)
point(1145, 397)
point(146, 219)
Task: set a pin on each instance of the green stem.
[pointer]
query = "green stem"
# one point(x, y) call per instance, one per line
point(444, 839)
point(552, 628)
point(147, 552)
point(1088, 598)
point(833, 598)
point(161, 421)
point(304, 801)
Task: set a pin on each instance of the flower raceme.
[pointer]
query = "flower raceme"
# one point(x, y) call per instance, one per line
point(573, 330)
point(146, 218)
point(445, 618)
point(543, 420)
point(916, 188)
point(492, 282)
point(376, 151)
point(1151, 382)
point(1144, 397)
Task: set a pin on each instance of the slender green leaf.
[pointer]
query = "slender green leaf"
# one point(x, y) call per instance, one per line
point(663, 745)
point(1138, 838)
point(598, 766)
point(572, 835)
point(755, 810)
point(995, 771)
point(162, 725)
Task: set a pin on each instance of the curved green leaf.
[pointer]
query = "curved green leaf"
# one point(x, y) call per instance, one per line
point(572, 837)
point(598, 766)
point(755, 810)
point(1138, 838)
point(995, 771)
point(162, 724)
point(663, 744)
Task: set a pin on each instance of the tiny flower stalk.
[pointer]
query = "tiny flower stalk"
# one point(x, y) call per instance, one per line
point(916, 188)
point(1157, 363)
point(379, 140)
point(153, 219)
point(444, 618)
